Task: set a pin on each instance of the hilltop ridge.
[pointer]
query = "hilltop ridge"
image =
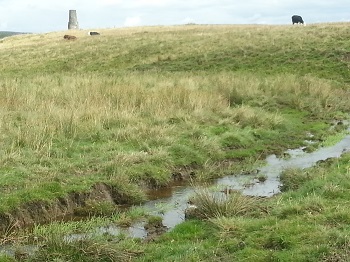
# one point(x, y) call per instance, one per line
point(320, 50)
point(9, 33)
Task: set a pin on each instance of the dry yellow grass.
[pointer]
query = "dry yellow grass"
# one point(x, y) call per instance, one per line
point(126, 99)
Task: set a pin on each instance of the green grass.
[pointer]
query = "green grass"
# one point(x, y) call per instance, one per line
point(131, 107)
point(64, 134)
point(303, 224)
point(318, 50)
point(213, 204)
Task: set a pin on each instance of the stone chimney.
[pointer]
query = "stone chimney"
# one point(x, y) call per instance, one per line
point(73, 20)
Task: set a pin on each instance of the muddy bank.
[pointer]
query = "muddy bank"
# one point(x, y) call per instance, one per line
point(170, 203)
point(42, 211)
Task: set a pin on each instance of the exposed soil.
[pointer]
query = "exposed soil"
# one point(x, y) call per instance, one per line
point(42, 211)
point(176, 194)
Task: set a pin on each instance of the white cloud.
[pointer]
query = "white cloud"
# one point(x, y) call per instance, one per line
point(3, 26)
point(150, 2)
point(132, 21)
point(187, 20)
point(110, 2)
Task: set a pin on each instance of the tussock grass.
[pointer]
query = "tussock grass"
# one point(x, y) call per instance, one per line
point(86, 250)
point(138, 124)
point(215, 204)
point(292, 179)
point(134, 104)
point(58, 231)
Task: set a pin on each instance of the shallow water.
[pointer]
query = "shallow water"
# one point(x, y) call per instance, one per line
point(12, 250)
point(171, 208)
point(178, 196)
point(275, 166)
point(171, 203)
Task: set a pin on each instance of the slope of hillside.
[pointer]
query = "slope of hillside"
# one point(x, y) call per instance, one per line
point(319, 50)
point(93, 122)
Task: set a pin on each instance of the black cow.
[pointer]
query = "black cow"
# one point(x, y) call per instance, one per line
point(297, 19)
point(93, 33)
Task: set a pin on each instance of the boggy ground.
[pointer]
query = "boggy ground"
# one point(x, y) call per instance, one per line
point(301, 223)
point(156, 101)
point(78, 203)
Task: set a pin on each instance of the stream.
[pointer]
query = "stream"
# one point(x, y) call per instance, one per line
point(170, 203)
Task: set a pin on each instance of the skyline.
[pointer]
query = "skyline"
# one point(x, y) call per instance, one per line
point(39, 16)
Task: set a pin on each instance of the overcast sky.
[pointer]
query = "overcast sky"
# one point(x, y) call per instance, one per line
point(40, 16)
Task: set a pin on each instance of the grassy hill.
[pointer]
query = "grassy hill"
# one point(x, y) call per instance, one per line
point(133, 106)
point(8, 33)
point(315, 49)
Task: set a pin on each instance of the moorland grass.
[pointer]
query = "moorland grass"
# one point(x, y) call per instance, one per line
point(319, 50)
point(135, 104)
point(66, 130)
point(308, 223)
point(210, 204)
point(65, 133)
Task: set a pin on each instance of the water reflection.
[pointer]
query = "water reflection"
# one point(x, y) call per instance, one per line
point(171, 203)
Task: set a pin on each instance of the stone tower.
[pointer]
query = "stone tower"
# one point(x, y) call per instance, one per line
point(73, 20)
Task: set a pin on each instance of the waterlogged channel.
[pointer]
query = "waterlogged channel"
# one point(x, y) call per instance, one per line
point(275, 166)
point(171, 203)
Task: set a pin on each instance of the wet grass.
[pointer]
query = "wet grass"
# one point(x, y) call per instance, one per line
point(303, 224)
point(210, 204)
point(88, 250)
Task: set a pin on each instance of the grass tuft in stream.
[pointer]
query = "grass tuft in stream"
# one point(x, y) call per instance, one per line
point(210, 204)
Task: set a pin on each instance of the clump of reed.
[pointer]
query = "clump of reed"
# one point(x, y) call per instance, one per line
point(292, 179)
point(209, 204)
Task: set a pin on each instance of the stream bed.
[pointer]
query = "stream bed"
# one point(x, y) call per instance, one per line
point(170, 203)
